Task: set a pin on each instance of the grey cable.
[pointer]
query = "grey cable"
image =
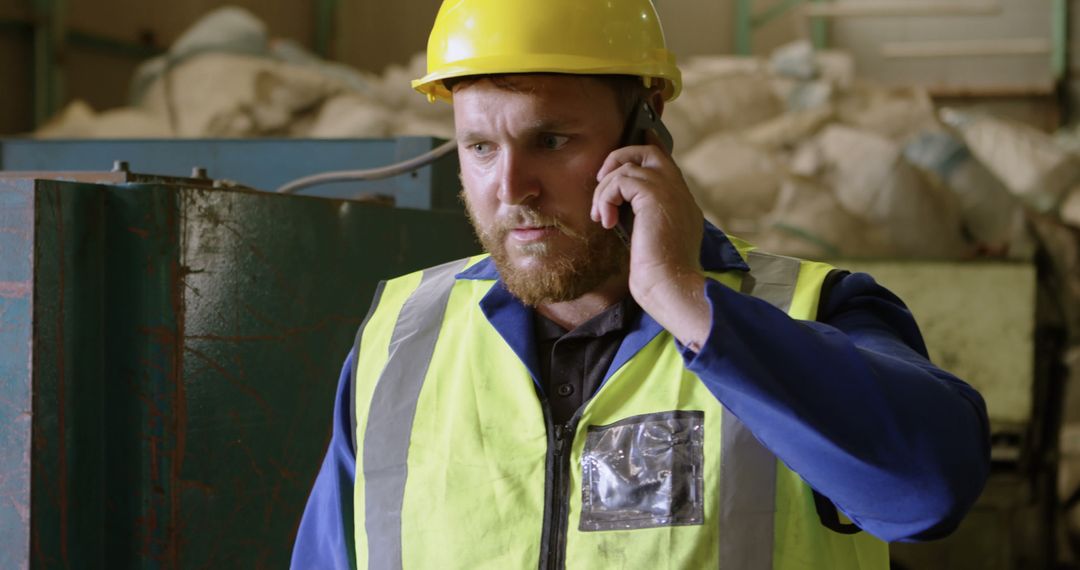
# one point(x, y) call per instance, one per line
point(371, 173)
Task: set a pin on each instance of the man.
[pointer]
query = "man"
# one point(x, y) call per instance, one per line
point(571, 402)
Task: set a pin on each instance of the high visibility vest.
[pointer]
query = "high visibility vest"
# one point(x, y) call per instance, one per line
point(458, 464)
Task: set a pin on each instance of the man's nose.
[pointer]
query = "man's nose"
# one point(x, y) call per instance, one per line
point(518, 182)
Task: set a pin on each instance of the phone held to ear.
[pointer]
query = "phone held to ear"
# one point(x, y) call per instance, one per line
point(642, 120)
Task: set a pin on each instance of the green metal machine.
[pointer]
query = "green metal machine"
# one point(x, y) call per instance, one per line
point(170, 352)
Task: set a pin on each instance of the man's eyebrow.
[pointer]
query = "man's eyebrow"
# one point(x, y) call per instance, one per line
point(551, 125)
point(538, 127)
point(470, 136)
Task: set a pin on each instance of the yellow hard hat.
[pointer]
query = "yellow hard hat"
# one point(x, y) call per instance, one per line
point(590, 37)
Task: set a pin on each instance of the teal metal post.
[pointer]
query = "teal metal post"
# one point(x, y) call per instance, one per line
point(819, 30)
point(49, 41)
point(43, 58)
point(325, 14)
point(744, 26)
point(1059, 34)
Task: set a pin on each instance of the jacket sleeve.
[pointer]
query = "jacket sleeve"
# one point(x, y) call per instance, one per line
point(325, 537)
point(852, 404)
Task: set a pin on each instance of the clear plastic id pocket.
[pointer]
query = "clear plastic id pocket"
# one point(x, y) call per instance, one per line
point(644, 472)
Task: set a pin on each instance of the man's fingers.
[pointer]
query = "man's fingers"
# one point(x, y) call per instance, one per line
point(651, 155)
point(625, 155)
point(607, 196)
point(617, 187)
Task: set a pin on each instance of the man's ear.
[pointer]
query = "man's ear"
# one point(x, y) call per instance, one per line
point(656, 101)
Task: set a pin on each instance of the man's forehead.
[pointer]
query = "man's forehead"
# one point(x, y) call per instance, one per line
point(538, 84)
point(532, 103)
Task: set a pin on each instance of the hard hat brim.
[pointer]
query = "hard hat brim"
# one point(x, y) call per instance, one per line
point(663, 70)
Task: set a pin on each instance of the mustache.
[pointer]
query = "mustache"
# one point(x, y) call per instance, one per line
point(531, 217)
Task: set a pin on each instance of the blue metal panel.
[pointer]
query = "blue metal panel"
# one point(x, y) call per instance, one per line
point(260, 163)
point(16, 308)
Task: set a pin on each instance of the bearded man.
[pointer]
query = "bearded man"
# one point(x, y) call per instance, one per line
point(571, 401)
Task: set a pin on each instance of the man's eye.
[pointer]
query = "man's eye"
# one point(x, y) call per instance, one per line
point(553, 142)
point(480, 149)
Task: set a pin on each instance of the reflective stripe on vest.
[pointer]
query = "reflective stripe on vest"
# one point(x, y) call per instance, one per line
point(747, 469)
point(390, 418)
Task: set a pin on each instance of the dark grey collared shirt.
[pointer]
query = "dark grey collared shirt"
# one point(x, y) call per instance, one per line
point(573, 363)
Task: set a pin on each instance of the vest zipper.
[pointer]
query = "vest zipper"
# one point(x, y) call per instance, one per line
point(557, 493)
point(564, 435)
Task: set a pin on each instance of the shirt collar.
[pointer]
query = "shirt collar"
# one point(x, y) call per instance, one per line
point(718, 254)
point(615, 318)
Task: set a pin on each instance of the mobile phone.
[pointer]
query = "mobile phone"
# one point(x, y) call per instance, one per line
point(643, 119)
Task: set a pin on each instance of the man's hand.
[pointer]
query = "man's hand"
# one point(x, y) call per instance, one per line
point(665, 272)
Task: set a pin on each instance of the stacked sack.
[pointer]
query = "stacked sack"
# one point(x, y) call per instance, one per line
point(224, 77)
point(824, 166)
